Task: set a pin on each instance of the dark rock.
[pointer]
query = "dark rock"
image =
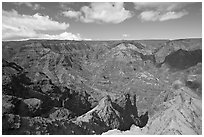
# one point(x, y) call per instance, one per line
point(101, 118)
point(106, 115)
point(182, 59)
point(60, 113)
point(193, 84)
point(76, 102)
point(10, 122)
point(129, 112)
point(30, 107)
point(14, 124)
point(11, 65)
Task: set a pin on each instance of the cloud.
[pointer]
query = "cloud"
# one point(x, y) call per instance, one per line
point(159, 16)
point(9, 32)
point(15, 26)
point(101, 12)
point(149, 15)
point(160, 6)
point(160, 11)
point(62, 36)
point(72, 14)
point(125, 35)
point(33, 22)
point(173, 15)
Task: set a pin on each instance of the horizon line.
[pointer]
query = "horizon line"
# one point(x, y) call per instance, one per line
point(100, 40)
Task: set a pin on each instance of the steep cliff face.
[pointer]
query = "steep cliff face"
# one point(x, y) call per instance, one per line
point(181, 115)
point(106, 115)
point(79, 87)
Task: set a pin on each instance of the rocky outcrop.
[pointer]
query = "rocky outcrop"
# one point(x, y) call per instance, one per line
point(77, 102)
point(181, 115)
point(14, 124)
point(30, 107)
point(60, 113)
point(129, 112)
point(11, 65)
point(101, 118)
point(107, 115)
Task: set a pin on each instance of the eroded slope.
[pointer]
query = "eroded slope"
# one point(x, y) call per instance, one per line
point(92, 87)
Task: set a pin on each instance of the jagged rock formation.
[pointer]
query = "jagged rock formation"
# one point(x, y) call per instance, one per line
point(106, 116)
point(90, 87)
point(101, 118)
point(60, 113)
point(181, 115)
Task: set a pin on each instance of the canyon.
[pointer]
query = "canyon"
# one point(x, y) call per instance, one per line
point(59, 87)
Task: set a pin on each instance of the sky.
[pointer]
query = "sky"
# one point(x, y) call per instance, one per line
point(101, 20)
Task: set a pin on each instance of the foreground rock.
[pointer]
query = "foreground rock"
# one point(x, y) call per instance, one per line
point(180, 116)
point(106, 116)
point(60, 113)
point(30, 107)
point(101, 118)
point(14, 124)
point(183, 115)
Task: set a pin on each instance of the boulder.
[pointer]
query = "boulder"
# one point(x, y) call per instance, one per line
point(30, 107)
point(101, 118)
point(60, 113)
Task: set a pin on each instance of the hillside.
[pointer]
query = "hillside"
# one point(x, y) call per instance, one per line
point(91, 87)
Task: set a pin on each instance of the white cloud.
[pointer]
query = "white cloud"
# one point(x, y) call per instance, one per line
point(172, 15)
point(9, 32)
point(32, 22)
point(15, 26)
point(160, 11)
point(149, 15)
point(160, 6)
point(72, 14)
point(159, 16)
point(62, 36)
point(125, 35)
point(101, 12)
point(24, 35)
